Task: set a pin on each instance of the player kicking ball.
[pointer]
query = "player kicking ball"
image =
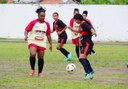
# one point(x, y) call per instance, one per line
point(86, 31)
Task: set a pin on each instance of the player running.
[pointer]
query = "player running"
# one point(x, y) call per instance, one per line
point(86, 31)
point(84, 14)
point(60, 28)
point(39, 30)
point(75, 35)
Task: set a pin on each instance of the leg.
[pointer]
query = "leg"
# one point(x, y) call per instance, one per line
point(84, 61)
point(40, 62)
point(77, 51)
point(62, 50)
point(32, 59)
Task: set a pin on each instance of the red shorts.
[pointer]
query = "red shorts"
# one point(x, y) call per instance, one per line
point(75, 41)
point(37, 47)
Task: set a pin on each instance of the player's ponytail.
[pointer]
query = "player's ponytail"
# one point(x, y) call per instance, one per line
point(40, 9)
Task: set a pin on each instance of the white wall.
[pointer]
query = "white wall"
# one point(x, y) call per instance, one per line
point(110, 21)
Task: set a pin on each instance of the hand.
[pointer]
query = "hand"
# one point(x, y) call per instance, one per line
point(75, 33)
point(26, 38)
point(59, 32)
point(50, 48)
point(80, 44)
point(95, 35)
point(70, 28)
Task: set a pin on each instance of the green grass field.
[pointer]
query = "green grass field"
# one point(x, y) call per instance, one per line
point(110, 65)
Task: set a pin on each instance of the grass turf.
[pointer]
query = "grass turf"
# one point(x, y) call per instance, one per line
point(110, 65)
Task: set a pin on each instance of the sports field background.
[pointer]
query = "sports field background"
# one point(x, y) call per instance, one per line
point(110, 64)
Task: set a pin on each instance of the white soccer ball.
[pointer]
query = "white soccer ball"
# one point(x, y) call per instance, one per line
point(71, 68)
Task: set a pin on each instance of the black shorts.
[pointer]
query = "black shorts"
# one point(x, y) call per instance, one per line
point(86, 48)
point(62, 40)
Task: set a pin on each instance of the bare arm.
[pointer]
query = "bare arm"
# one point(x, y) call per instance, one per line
point(75, 31)
point(53, 31)
point(93, 31)
point(26, 35)
point(50, 41)
point(60, 32)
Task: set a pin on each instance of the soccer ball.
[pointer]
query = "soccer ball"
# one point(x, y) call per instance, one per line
point(71, 68)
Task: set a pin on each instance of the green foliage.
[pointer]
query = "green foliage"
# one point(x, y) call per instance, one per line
point(118, 2)
point(3, 1)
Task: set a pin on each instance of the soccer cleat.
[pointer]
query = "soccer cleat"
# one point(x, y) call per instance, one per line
point(88, 76)
point(93, 71)
point(31, 72)
point(69, 57)
point(40, 75)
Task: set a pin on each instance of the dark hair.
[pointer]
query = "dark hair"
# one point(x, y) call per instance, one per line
point(76, 9)
point(85, 12)
point(56, 13)
point(78, 17)
point(40, 9)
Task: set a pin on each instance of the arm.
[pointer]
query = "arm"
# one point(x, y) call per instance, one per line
point(93, 31)
point(73, 30)
point(29, 28)
point(52, 31)
point(53, 28)
point(48, 33)
point(50, 41)
point(60, 32)
point(26, 35)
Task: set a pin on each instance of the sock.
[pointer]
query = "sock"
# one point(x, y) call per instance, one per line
point(84, 64)
point(64, 52)
point(89, 65)
point(40, 65)
point(77, 51)
point(32, 62)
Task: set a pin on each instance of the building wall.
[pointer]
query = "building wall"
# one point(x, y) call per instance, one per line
point(110, 21)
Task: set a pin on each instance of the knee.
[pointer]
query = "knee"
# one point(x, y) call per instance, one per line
point(58, 48)
point(33, 54)
point(82, 56)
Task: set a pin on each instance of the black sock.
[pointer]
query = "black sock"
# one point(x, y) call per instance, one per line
point(32, 62)
point(40, 65)
point(89, 65)
point(77, 51)
point(64, 51)
point(84, 64)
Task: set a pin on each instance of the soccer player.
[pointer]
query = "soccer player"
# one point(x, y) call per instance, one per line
point(60, 28)
point(39, 30)
point(75, 35)
point(84, 14)
point(86, 31)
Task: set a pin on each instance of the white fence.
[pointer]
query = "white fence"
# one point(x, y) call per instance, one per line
point(110, 21)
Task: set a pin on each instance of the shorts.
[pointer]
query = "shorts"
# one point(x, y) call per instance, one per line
point(37, 47)
point(86, 48)
point(62, 40)
point(75, 41)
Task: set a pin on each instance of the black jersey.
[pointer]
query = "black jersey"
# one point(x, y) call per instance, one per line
point(58, 26)
point(85, 32)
